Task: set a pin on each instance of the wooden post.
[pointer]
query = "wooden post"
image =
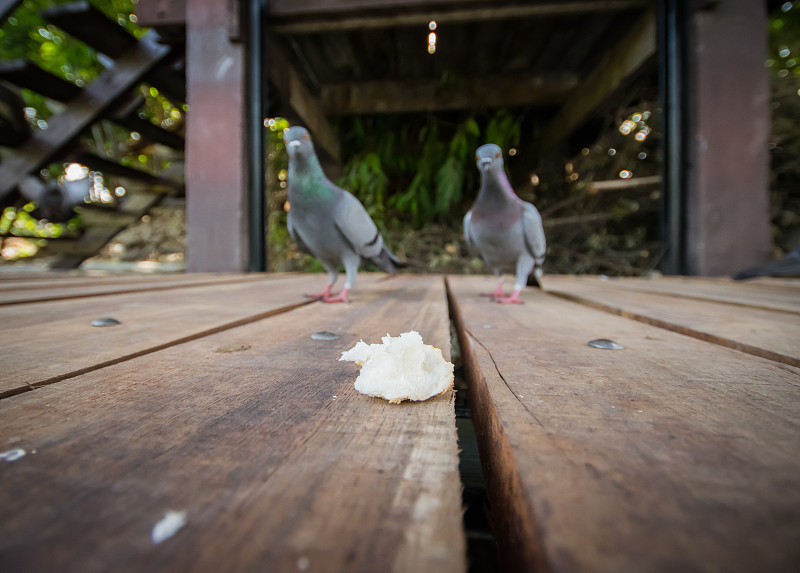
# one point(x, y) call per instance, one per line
point(216, 154)
point(729, 122)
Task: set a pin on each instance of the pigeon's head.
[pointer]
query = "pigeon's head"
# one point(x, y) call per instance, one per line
point(298, 141)
point(489, 156)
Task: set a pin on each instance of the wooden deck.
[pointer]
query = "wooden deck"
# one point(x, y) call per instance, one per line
point(680, 452)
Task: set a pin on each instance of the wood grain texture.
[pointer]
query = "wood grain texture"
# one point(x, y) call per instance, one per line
point(765, 333)
point(49, 279)
point(670, 455)
point(51, 341)
point(760, 295)
point(81, 289)
point(279, 463)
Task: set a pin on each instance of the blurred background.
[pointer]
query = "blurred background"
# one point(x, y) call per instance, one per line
point(600, 187)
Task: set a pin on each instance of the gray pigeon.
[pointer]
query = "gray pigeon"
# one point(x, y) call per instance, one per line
point(504, 229)
point(55, 202)
point(327, 221)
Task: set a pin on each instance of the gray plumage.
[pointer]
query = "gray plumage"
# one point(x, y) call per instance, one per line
point(505, 230)
point(55, 202)
point(327, 221)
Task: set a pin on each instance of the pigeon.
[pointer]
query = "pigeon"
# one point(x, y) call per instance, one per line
point(505, 230)
point(329, 222)
point(55, 202)
point(786, 266)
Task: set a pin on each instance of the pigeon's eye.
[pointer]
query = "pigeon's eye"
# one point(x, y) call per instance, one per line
point(497, 155)
point(477, 157)
point(306, 137)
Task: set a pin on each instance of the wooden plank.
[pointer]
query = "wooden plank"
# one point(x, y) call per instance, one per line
point(24, 296)
point(57, 280)
point(415, 13)
point(85, 108)
point(414, 95)
point(111, 167)
point(127, 116)
point(670, 455)
point(279, 463)
point(722, 290)
point(633, 50)
point(179, 312)
point(151, 13)
point(769, 334)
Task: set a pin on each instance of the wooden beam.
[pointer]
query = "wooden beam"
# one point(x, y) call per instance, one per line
point(216, 154)
point(417, 95)
point(727, 184)
point(307, 107)
point(622, 184)
point(621, 61)
point(351, 16)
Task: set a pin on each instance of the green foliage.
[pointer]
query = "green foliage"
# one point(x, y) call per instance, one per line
point(503, 130)
point(25, 35)
point(365, 178)
point(784, 66)
point(417, 172)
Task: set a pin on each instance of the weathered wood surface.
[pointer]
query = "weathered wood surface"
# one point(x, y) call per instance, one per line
point(766, 333)
point(279, 463)
point(80, 289)
point(761, 294)
point(670, 455)
point(50, 280)
point(51, 341)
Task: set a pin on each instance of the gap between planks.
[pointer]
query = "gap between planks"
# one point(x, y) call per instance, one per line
point(680, 329)
point(512, 516)
point(525, 460)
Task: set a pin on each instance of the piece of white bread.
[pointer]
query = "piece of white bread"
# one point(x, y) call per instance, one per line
point(402, 368)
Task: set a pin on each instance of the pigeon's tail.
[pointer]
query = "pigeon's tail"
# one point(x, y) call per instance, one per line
point(534, 277)
point(787, 266)
point(388, 262)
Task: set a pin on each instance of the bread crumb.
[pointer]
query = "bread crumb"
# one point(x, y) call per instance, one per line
point(401, 368)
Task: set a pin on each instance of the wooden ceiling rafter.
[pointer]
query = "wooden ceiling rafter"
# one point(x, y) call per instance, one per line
point(619, 63)
point(381, 96)
point(422, 13)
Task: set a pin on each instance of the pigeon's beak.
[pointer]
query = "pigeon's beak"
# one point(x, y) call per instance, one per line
point(293, 144)
point(484, 163)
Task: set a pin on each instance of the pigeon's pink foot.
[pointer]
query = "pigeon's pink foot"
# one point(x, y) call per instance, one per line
point(513, 299)
point(498, 292)
point(341, 297)
point(322, 295)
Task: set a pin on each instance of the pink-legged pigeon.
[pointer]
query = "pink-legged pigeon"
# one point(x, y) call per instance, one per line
point(505, 230)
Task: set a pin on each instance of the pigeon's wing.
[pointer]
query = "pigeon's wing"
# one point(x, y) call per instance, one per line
point(356, 226)
point(75, 191)
point(32, 188)
point(295, 235)
point(471, 244)
point(534, 233)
